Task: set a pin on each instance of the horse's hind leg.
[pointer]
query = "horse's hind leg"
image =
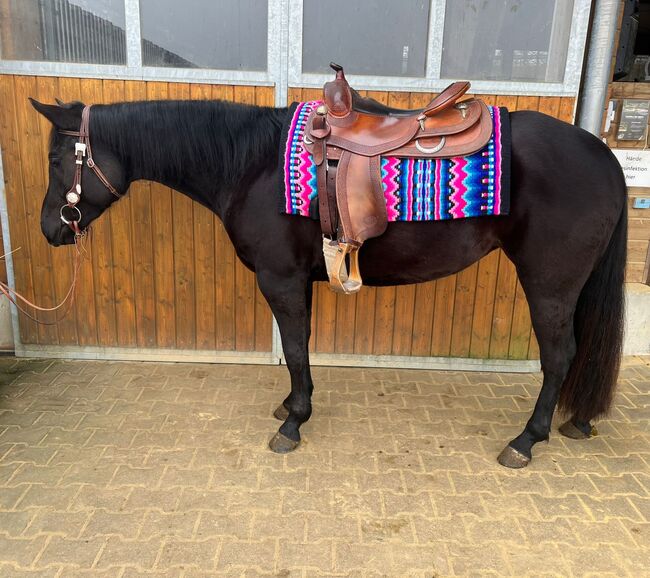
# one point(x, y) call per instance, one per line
point(553, 323)
point(290, 301)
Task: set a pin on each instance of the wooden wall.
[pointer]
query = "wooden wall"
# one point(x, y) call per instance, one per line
point(638, 259)
point(150, 283)
point(161, 271)
point(480, 312)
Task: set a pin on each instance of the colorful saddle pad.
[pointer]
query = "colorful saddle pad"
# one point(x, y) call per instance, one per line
point(415, 189)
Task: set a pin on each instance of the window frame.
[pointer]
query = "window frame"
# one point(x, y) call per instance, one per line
point(432, 81)
point(284, 60)
point(135, 70)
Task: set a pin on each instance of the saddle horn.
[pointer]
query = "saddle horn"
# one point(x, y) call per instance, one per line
point(340, 75)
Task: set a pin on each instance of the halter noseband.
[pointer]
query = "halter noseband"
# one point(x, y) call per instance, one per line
point(82, 149)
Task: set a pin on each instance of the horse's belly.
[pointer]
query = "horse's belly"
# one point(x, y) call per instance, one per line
point(417, 252)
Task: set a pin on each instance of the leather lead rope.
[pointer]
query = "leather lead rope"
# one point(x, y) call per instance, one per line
point(16, 298)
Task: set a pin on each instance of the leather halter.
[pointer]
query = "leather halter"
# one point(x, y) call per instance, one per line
point(82, 149)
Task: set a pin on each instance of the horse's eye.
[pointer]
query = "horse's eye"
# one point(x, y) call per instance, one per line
point(54, 159)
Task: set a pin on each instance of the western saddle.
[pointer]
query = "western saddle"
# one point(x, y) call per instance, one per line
point(348, 134)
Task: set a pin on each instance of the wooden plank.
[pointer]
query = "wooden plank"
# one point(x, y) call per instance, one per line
point(68, 90)
point(443, 316)
point(204, 257)
point(510, 102)
point(245, 285)
point(312, 94)
point(325, 336)
point(33, 170)
point(346, 308)
point(550, 105)
point(425, 298)
point(404, 310)
point(121, 245)
point(490, 99)
point(464, 300)
point(567, 109)
point(294, 94)
point(533, 348)
point(144, 291)
point(521, 326)
point(10, 134)
point(503, 308)
point(364, 320)
point(102, 253)
point(527, 102)
point(484, 305)
point(163, 248)
point(62, 258)
point(183, 248)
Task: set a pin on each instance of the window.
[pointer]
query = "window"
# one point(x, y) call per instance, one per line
point(374, 37)
point(85, 31)
point(515, 40)
point(229, 34)
point(511, 46)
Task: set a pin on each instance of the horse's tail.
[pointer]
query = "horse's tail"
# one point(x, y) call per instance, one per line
point(599, 321)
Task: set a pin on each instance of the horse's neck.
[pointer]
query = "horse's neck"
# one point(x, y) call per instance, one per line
point(202, 149)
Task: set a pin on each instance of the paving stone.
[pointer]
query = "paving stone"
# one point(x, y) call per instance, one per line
point(312, 556)
point(140, 553)
point(177, 553)
point(124, 524)
point(124, 470)
point(246, 554)
point(62, 550)
point(68, 524)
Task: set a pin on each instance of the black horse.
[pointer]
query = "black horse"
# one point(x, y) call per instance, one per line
point(566, 235)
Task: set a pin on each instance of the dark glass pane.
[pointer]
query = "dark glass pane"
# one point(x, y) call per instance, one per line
point(89, 31)
point(373, 37)
point(515, 40)
point(228, 34)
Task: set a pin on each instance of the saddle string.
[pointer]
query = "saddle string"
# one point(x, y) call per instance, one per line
point(16, 298)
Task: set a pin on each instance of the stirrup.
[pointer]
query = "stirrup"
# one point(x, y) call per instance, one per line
point(337, 271)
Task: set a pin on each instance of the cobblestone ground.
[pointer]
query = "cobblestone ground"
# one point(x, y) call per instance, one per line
point(144, 469)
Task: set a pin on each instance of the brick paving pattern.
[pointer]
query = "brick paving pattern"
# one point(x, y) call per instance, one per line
point(120, 470)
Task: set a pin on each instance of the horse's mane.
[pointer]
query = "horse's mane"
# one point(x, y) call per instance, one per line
point(228, 140)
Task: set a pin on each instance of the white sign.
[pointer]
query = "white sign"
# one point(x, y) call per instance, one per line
point(636, 166)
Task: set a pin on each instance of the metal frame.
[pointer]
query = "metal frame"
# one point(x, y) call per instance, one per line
point(433, 82)
point(134, 70)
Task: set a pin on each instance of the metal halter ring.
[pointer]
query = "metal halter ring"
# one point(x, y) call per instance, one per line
point(69, 207)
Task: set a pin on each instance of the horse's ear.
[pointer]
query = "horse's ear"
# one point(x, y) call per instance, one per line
point(66, 117)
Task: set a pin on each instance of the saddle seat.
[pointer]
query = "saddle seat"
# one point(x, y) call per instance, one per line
point(348, 134)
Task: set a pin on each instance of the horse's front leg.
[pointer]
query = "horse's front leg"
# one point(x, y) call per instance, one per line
point(290, 300)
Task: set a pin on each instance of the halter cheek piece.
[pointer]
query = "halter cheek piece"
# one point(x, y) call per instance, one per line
point(82, 149)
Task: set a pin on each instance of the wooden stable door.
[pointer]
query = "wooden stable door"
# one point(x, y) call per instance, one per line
point(161, 271)
point(480, 312)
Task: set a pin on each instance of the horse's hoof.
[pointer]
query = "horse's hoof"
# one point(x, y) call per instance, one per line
point(571, 430)
point(511, 458)
point(281, 444)
point(281, 412)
